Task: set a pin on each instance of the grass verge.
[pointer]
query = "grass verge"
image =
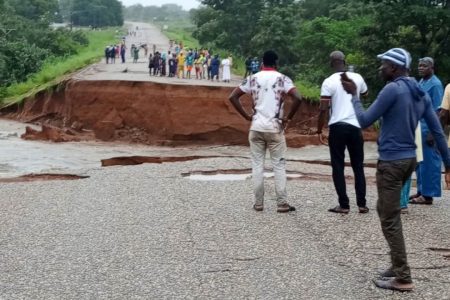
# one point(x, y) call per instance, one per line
point(55, 69)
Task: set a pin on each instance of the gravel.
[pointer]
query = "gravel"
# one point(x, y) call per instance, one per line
point(145, 232)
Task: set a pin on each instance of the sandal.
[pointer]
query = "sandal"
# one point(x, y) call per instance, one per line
point(339, 210)
point(258, 207)
point(422, 200)
point(363, 210)
point(284, 208)
point(414, 196)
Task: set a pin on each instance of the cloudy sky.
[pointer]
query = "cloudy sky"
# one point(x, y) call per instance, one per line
point(187, 4)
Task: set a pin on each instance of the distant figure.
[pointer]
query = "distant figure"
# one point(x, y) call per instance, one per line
point(255, 65)
point(248, 67)
point(151, 66)
point(181, 60)
point(215, 65)
point(136, 55)
point(173, 65)
point(122, 52)
point(112, 54)
point(226, 70)
point(107, 54)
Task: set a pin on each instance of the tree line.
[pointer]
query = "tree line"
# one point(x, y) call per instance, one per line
point(27, 40)
point(152, 13)
point(305, 32)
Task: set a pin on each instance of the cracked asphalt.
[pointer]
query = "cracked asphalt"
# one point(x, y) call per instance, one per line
point(146, 232)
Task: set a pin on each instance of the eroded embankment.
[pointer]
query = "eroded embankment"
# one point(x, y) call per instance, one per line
point(148, 112)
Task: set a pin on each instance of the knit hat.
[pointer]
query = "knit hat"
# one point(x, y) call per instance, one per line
point(398, 56)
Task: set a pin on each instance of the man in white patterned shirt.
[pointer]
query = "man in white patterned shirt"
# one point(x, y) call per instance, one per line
point(268, 88)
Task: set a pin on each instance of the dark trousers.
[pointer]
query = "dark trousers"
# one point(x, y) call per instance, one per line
point(343, 135)
point(391, 176)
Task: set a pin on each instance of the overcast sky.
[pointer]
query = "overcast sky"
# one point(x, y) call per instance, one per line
point(186, 4)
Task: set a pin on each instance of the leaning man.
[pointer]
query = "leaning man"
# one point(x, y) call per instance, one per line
point(268, 88)
point(400, 105)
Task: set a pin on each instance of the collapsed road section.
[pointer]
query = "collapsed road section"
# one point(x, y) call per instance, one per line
point(147, 112)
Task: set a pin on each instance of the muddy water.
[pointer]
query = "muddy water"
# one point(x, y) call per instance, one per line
point(19, 157)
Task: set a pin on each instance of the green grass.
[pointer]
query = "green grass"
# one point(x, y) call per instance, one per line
point(309, 91)
point(55, 69)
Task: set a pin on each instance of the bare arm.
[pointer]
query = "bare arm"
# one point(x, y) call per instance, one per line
point(234, 99)
point(324, 106)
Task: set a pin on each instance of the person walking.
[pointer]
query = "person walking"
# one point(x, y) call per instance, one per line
point(268, 88)
point(400, 105)
point(428, 171)
point(344, 133)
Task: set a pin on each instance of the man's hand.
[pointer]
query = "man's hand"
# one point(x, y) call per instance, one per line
point(447, 177)
point(285, 123)
point(323, 138)
point(249, 118)
point(429, 140)
point(348, 84)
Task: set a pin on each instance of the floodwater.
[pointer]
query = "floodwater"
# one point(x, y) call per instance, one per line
point(20, 157)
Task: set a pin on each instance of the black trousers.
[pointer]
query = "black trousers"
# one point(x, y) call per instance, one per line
point(342, 136)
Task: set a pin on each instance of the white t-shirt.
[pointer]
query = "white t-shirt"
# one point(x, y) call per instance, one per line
point(267, 89)
point(341, 102)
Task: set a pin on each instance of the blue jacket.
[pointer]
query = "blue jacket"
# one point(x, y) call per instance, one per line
point(400, 105)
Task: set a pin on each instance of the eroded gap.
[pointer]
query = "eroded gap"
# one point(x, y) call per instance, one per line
point(42, 177)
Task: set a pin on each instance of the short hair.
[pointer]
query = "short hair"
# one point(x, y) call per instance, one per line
point(337, 55)
point(427, 60)
point(270, 58)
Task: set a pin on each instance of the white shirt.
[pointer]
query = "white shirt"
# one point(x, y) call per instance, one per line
point(267, 89)
point(341, 104)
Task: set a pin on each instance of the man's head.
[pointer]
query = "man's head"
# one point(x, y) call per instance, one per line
point(270, 58)
point(426, 67)
point(337, 60)
point(394, 63)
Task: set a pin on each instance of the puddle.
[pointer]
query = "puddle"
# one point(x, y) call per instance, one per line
point(234, 177)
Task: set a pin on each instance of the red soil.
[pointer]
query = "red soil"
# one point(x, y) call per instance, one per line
point(149, 113)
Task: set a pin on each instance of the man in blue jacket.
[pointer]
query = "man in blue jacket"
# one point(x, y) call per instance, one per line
point(400, 105)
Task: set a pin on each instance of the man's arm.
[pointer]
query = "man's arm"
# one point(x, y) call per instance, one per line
point(436, 130)
point(376, 110)
point(297, 101)
point(234, 99)
point(443, 117)
point(324, 107)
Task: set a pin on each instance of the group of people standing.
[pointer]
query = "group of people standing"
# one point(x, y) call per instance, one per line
point(407, 110)
point(115, 51)
point(187, 63)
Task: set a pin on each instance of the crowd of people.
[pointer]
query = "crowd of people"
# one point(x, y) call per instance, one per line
point(180, 61)
point(190, 63)
point(412, 115)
